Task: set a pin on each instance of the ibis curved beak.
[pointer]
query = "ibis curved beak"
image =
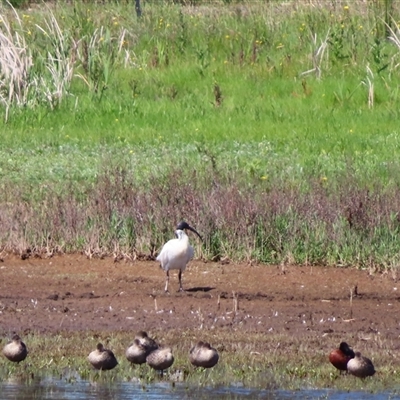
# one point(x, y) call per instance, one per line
point(184, 225)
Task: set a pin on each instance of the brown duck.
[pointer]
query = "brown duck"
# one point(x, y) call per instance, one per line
point(141, 347)
point(15, 350)
point(160, 359)
point(203, 355)
point(360, 366)
point(102, 358)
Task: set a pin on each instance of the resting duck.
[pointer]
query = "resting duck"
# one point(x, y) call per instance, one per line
point(340, 357)
point(102, 358)
point(160, 359)
point(203, 355)
point(141, 347)
point(15, 350)
point(360, 366)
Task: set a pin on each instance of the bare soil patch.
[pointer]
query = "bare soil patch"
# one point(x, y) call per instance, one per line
point(73, 293)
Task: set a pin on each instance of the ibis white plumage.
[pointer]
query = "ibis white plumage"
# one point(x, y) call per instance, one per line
point(176, 253)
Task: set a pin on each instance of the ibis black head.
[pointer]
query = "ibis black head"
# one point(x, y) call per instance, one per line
point(184, 225)
point(346, 349)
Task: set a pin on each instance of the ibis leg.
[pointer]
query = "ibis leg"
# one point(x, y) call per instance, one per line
point(167, 281)
point(180, 280)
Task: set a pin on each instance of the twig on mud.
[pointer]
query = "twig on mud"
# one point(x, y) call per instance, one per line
point(201, 318)
point(351, 303)
point(235, 302)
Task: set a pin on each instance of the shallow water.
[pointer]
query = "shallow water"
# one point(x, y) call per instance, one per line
point(84, 390)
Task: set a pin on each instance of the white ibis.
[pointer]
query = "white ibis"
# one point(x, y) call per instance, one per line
point(176, 253)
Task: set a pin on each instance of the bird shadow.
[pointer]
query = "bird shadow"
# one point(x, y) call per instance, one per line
point(200, 289)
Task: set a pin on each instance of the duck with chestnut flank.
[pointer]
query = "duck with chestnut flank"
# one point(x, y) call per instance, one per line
point(340, 357)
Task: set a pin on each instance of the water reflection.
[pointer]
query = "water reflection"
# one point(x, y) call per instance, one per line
point(84, 390)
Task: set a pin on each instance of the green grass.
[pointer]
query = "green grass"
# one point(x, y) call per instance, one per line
point(253, 360)
point(122, 126)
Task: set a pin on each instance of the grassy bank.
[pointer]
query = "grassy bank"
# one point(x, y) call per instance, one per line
point(272, 128)
point(254, 360)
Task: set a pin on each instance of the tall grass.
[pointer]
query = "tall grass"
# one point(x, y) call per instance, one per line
point(270, 126)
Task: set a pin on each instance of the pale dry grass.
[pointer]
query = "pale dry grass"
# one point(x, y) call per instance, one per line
point(15, 64)
point(60, 63)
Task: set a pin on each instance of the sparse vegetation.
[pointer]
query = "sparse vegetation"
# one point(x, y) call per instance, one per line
point(253, 360)
point(269, 126)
